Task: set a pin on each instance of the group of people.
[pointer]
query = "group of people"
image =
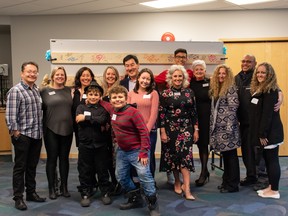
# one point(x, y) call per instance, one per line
point(187, 107)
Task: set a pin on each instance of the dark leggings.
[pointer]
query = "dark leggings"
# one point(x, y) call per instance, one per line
point(273, 167)
point(57, 146)
point(204, 154)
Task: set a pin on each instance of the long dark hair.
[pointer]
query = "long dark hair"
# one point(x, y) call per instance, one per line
point(152, 85)
point(77, 83)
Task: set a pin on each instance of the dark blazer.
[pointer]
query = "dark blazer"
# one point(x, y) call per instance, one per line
point(264, 121)
point(125, 83)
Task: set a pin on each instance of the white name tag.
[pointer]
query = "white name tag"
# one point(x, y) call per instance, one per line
point(205, 85)
point(146, 96)
point(114, 117)
point(177, 93)
point(52, 93)
point(87, 113)
point(84, 96)
point(254, 100)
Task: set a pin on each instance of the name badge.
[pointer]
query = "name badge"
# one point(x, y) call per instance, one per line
point(248, 88)
point(177, 93)
point(84, 96)
point(52, 93)
point(114, 117)
point(87, 113)
point(205, 85)
point(146, 96)
point(254, 100)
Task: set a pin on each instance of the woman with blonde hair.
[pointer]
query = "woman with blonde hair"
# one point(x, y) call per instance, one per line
point(266, 128)
point(111, 78)
point(57, 128)
point(224, 126)
point(178, 129)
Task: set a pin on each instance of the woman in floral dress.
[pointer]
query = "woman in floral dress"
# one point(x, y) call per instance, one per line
point(178, 128)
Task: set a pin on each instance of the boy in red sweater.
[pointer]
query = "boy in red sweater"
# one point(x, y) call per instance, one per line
point(132, 137)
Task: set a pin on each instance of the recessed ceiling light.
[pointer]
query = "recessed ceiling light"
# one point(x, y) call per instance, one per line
point(244, 2)
point(172, 3)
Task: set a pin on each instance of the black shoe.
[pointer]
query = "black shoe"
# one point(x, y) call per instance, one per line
point(134, 200)
point(106, 200)
point(34, 197)
point(225, 190)
point(248, 182)
point(20, 204)
point(202, 180)
point(64, 191)
point(52, 194)
point(220, 187)
point(260, 186)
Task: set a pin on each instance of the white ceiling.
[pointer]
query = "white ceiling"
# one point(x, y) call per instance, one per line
point(53, 7)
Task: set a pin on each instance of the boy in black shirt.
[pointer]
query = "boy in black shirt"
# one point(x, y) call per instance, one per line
point(93, 152)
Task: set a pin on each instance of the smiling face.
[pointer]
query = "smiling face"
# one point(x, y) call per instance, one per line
point(85, 78)
point(248, 63)
point(177, 79)
point(222, 75)
point(29, 74)
point(144, 80)
point(261, 73)
point(131, 68)
point(93, 97)
point(59, 78)
point(199, 72)
point(118, 100)
point(180, 58)
point(110, 77)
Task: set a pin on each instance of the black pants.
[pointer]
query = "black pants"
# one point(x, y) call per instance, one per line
point(27, 153)
point(90, 159)
point(57, 146)
point(248, 153)
point(231, 175)
point(273, 167)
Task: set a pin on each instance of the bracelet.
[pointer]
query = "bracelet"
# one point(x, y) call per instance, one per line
point(197, 129)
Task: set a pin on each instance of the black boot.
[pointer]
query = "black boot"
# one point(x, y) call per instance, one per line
point(64, 190)
point(52, 193)
point(134, 200)
point(153, 205)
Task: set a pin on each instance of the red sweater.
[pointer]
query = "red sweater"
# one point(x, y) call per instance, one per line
point(129, 129)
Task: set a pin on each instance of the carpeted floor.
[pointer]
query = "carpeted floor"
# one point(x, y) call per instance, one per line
point(209, 202)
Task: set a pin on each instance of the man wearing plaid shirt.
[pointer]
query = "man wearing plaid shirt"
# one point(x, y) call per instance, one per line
point(24, 121)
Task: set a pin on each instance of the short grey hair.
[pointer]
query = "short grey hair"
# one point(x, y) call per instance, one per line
point(174, 68)
point(198, 62)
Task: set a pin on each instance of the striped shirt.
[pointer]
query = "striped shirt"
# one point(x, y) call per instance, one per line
point(24, 110)
point(130, 130)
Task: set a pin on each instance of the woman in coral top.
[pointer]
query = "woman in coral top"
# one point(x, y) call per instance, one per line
point(146, 98)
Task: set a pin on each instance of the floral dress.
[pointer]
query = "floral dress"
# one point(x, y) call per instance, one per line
point(177, 114)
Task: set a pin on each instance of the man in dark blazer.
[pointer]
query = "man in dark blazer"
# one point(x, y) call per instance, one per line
point(131, 64)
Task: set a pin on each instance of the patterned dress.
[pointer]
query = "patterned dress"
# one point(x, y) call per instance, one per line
point(177, 113)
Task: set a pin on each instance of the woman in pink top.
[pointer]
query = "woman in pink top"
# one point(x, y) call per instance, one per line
point(147, 100)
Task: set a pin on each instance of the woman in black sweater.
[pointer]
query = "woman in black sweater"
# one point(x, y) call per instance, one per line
point(266, 128)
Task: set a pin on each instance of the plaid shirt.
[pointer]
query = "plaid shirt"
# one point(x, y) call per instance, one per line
point(24, 110)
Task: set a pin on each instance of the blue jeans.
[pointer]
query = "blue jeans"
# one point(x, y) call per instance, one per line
point(124, 161)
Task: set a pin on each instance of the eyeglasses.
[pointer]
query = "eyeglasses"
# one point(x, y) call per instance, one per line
point(246, 61)
point(32, 72)
point(181, 57)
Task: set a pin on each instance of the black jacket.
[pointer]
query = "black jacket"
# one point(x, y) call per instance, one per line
point(264, 121)
point(243, 81)
point(89, 131)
